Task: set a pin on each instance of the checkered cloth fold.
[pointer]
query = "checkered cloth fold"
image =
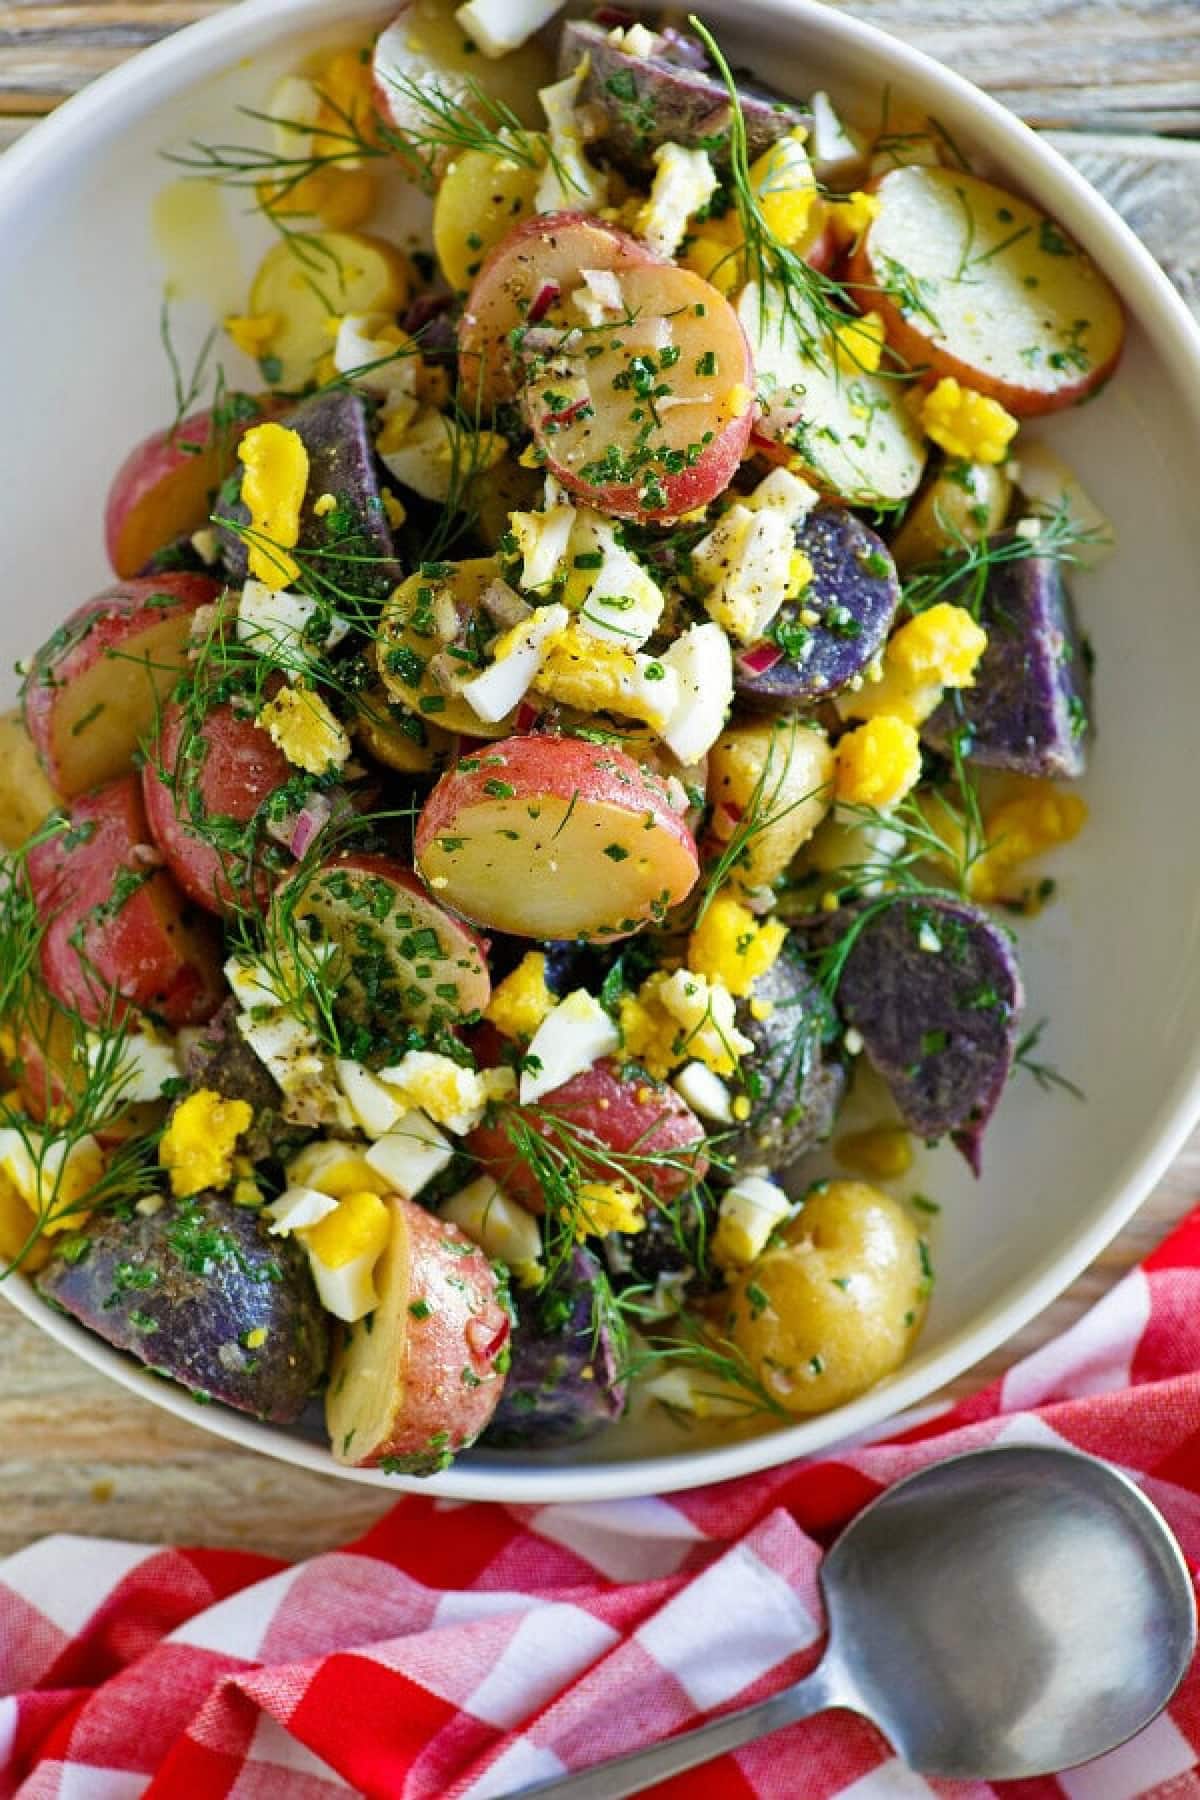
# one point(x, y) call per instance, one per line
point(460, 1651)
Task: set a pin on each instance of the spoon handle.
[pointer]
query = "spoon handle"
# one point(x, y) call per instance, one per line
point(643, 1768)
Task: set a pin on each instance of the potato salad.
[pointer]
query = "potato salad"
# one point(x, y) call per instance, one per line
point(584, 689)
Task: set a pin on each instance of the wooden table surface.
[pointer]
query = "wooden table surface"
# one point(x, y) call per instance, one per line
point(1117, 88)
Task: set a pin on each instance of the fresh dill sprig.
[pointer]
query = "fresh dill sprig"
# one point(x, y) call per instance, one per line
point(962, 569)
point(691, 1344)
point(1045, 1074)
point(185, 392)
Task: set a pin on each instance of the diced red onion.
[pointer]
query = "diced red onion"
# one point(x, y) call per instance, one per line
point(527, 716)
point(547, 294)
point(312, 817)
point(760, 657)
point(486, 1341)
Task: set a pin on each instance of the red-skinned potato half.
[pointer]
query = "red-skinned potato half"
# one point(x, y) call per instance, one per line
point(166, 484)
point(993, 292)
point(137, 945)
point(400, 956)
point(650, 419)
point(94, 688)
point(525, 282)
point(626, 1115)
point(419, 1379)
point(228, 772)
point(551, 837)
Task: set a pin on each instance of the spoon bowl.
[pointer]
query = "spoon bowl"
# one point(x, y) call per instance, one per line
point(1000, 1615)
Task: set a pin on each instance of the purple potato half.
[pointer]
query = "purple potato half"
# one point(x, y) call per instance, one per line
point(1029, 710)
point(198, 1292)
point(933, 989)
point(673, 95)
point(353, 538)
point(563, 1383)
point(854, 592)
point(796, 1082)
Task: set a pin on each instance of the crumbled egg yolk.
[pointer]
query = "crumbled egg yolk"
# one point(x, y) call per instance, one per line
point(604, 1206)
point(1027, 824)
point(444, 1090)
point(682, 1017)
point(333, 1166)
point(346, 89)
point(582, 670)
point(731, 946)
point(274, 480)
point(45, 1184)
point(715, 260)
point(522, 1000)
point(785, 187)
point(684, 181)
point(394, 509)
point(967, 424)
point(858, 344)
point(358, 1226)
point(939, 648)
point(883, 1152)
point(197, 1148)
point(851, 217)
point(252, 332)
point(18, 1221)
point(738, 400)
point(878, 763)
point(300, 724)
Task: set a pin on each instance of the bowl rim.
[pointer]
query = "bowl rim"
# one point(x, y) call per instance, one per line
point(81, 126)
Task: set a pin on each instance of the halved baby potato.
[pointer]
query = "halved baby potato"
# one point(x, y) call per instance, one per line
point(479, 200)
point(426, 619)
point(976, 283)
point(549, 837)
point(330, 272)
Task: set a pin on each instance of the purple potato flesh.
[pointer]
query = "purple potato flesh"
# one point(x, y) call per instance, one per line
point(933, 989)
point(854, 592)
point(198, 1292)
point(563, 1383)
point(673, 95)
point(350, 543)
point(1029, 708)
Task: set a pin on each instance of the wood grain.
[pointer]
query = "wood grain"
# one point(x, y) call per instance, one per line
point(1115, 84)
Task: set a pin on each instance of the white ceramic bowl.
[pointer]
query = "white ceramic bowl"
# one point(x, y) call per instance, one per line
point(1115, 962)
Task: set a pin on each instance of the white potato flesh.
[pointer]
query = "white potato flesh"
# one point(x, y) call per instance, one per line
point(850, 433)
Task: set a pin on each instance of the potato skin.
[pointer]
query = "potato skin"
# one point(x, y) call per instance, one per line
point(800, 1082)
point(564, 1384)
point(837, 1305)
point(183, 1289)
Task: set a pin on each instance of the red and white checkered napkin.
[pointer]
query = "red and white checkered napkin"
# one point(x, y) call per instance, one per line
point(465, 1650)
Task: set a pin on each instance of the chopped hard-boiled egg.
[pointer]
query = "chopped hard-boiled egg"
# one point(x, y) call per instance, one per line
point(410, 1154)
point(704, 1008)
point(785, 187)
point(569, 180)
point(569, 1040)
point(702, 661)
point(836, 151)
point(299, 722)
point(333, 1166)
point(966, 424)
point(375, 1108)
point(274, 482)
point(517, 657)
point(498, 26)
point(197, 1148)
point(431, 450)
point(503, 1230)
point(297, 1208)
point(877, 763)
point(542, 539)
point(287, 1047)
point(604, 1206)
point(147, 1063)
point(731, 946)
point(684, 181)
point(521, 1002)
point(620, 601)
point(746, 564)
point(277, 622)
point(584, 671)
point(52, 1176)
point(749, 1212)
point(786, 492)
point(448, 1093)
point(704, 1092)
point(343, 1248)
point(938, 649)
point(1034, 819)
point(373, 352)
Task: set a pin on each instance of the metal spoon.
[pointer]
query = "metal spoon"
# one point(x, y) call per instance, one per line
point(1003, 1614)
